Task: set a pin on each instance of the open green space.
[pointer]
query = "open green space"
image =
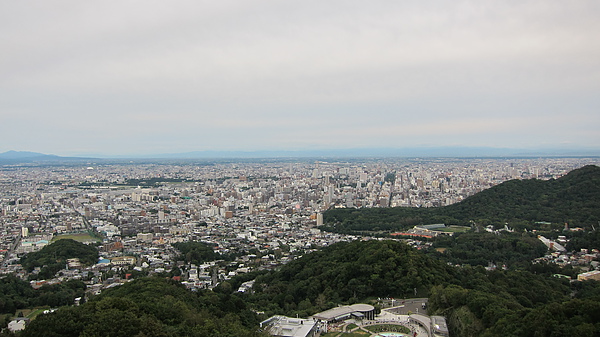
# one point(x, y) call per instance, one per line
point(388, 327)
point(81, 237)
point(35, 312)
point(455, 229)
point(351, 326)
point(358, 333)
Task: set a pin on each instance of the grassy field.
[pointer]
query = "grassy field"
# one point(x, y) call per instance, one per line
point(346, 334)
point(388, 327)
point(455, 229)
point(33, 314)
point(81, 237)
point(23, 312)
point(351, 326)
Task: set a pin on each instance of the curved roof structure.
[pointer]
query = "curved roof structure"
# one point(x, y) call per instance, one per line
point(339, 312)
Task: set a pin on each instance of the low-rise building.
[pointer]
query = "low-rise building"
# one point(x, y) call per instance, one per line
point(590, 275)
point(123, 260)
point(282, 326)
point(360, 311)
point(18, 324)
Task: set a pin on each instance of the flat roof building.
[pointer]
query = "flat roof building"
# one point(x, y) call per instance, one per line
point(590, 275)
point(282, 326)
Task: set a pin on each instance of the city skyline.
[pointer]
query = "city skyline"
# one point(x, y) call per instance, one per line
point(120, 79)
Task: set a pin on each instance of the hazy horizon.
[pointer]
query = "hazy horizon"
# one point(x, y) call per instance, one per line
point(124, 78)
point(366, 153)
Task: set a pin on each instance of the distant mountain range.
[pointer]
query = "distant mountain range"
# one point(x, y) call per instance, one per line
point(15, 157)
point(412, 152)
point(24, 155)
point(415, 152)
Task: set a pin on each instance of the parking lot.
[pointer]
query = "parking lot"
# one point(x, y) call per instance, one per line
point(405, 306)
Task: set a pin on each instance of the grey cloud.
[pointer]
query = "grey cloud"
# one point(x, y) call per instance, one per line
point(311, 73)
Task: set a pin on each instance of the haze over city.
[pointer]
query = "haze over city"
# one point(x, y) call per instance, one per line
point(141, 78)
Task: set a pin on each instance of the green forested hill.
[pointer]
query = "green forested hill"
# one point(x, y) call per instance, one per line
point(196, 252)
point(348, 272)
point(514, 250)
point(475, 301)
point(53, 257)
point(18, 294)
point(150, 307)
point(518, 304)
point(573, 198)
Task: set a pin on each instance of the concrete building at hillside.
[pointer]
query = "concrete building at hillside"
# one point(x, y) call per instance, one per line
point(282, 326)
point(590, 275)
point(18, 324)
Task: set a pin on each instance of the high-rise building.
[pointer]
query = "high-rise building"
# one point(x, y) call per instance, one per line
point(319, 219)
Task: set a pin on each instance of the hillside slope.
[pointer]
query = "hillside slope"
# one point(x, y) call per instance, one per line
point(572, 199)
point(348, 272)
point(150, 307)
point(475, 301)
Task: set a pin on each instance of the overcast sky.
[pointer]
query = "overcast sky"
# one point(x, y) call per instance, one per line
point(142, 77)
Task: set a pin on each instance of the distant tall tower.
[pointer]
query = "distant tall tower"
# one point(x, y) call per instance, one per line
point(319, 219)
point(329, 194)
point(24, 232)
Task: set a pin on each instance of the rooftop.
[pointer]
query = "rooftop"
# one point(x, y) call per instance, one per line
point(341, 311)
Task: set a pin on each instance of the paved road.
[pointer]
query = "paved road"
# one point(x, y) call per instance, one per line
point(403, 307)
point(11, 251)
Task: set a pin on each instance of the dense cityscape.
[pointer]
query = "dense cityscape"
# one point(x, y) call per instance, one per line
point(263, 213)
point(257, 215)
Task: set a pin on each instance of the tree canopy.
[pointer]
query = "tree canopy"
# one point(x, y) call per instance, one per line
point(480, 249)
point(348, 272)
point(196, 252)
point(150, 307)
point(18, 294)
